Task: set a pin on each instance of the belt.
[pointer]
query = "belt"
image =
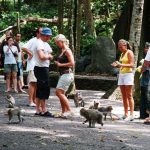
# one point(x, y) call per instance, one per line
point(65, 72)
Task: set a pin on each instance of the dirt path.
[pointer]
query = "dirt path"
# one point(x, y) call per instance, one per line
point(40, 133)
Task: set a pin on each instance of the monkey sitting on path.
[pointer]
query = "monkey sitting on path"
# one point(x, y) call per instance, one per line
point(11, 101)
point(92, 116)
point(15, 112)
point(78, 100)
point(95, 106)
point(106, 111)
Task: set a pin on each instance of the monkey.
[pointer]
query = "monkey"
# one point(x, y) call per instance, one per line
point(95, 106)
point(92, 116)
point(11, 101)
point(78, 100)
point(106, 110)
point(15, 111)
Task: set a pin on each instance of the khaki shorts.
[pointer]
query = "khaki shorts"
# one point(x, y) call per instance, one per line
point(8, 68)
point(64, 81)
point(31, 77)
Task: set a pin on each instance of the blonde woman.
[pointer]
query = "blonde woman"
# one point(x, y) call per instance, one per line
point(65, 63)
point(126, 77)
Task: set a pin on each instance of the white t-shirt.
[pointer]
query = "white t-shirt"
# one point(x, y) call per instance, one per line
point(45, 47)
point(32, 46)
point(147, 57)
point(9, 56)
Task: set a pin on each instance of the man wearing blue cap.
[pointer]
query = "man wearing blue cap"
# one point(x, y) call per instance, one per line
point(41, 70)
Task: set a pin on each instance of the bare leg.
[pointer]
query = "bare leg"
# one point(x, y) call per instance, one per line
point(38, 105)
point(63, 100)
point(14, 78)
point(32, 88)
point(43, 105)
point(7, 82)
point(125, 100)
point(130, 98)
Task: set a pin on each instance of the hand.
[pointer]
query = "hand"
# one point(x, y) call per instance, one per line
point(57, 63)
point(30, 56)
point(143, 69)
point(50, 57)
point(114, 64)
point(118, 64)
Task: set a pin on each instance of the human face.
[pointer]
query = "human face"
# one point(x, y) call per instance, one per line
point(10, 42)
point(18, 37)
point(122, 47)
point(145, 50)
point(60, 44)
point(46, 38)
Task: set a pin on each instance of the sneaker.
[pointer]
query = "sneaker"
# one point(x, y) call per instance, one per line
point(68, 114)
point(124, 117)
point(22, 91)
point(15, 91)
point(129, 118)
point(47, 114)
point(32, 105)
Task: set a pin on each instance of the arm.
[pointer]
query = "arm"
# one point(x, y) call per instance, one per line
point(70, 57)
point(28, 52)
point(43, 57)
point(130, 63)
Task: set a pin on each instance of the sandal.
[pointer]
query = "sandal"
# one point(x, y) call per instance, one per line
point(147, 123)
point(47, 114)
point(38, 114)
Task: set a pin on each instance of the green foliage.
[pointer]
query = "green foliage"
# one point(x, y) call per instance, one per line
point(86, 43)
point(105, 17)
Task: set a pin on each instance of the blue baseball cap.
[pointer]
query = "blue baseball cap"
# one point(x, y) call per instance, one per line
point(46, 31)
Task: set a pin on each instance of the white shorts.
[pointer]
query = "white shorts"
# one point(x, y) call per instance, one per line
point(64, 81)
point(126, 79)
point(31, 77)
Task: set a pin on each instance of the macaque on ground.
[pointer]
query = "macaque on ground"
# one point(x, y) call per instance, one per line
point(92, 116)
point(11, 101)
point(94, 106)
point(78, 99)
point(15, 112)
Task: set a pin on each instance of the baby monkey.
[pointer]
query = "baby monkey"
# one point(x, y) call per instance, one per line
point(92, 116)
point(79, 102)
point(15, 111)
point(106, 111)
point(11, 101)
point(95, 106)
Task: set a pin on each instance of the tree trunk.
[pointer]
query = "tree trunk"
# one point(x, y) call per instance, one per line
point(136, 26)
point(72, 87)
point(60, 15)
point(107, 6)
point(89, 18)
point(78, 29)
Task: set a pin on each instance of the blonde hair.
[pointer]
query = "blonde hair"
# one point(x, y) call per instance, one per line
point(124, 42)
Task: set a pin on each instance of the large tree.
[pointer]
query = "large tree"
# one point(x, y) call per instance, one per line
point(136, 26)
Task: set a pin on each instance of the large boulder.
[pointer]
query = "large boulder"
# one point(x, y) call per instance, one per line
point(103, 53)
point(82, 63)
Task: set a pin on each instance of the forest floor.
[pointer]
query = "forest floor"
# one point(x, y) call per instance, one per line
point(41, 133)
